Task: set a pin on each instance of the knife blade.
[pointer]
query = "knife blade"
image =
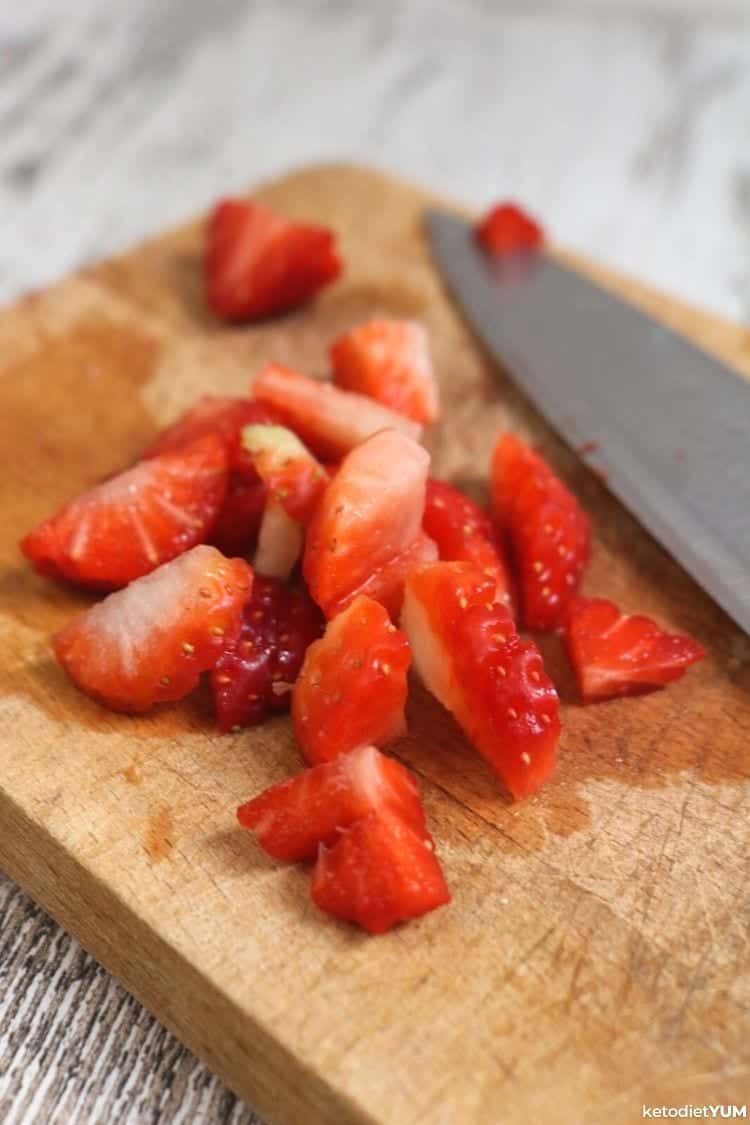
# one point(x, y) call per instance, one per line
point(671, 424)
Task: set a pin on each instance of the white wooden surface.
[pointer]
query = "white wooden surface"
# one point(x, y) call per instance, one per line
point(625, 127)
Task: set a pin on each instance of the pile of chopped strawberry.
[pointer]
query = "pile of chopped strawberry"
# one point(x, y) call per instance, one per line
point(253, 677)
point(362, 567)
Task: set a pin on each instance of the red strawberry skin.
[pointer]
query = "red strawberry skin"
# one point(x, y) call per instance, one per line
point(369, 517)
point(466, 649)
point(223, 415)
point(240, 516)
point(615, 655)
point(463, 532)
point(549, 531)
point(331, 422)
point(150, 642)
point(292, 475)
point(253, 676)
point(389, 360)
point(258, 263)
point(352, 688)
point(134, 522)
point(506, 229)
point(380, 872)
point(292, 818)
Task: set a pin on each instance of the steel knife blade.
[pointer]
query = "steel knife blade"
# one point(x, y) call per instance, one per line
point(671, 423)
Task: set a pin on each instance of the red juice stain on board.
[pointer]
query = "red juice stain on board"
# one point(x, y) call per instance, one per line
point(159, 839)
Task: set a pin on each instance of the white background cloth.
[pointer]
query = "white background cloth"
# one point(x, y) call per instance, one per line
point(624, 124)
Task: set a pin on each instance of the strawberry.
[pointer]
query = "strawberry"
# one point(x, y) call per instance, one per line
point(330, 421)
point(389, 360)
point(352, 687)
point(467, 651)
point(259, 263)
point(386, 585)
point(463, 533)
point(240, 516)
point(506, 229)
point(379, 873)
point(280, 540)
point(548, 529)
point(292, 818)
point(222, 415)
point(288, 469)
point(370, 514)
point(253, 677)
point(134, 522)
point(614, 654)
point(151, 641)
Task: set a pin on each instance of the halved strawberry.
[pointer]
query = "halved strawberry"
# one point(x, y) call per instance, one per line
point(280, 541)
point(505, 229)
point(548, 529)
point(369, 516)
point(379, 873)
point(389, 360)
point(292, 818)
point(259, 263)
point(253, 677)
point(287, 467)
point(238, 522)
point(463, 533)
point(614, 654)
point(151, 641)
point(352, 687)
point(467, 651)
point(223, 415)
point(330, 421)
point(134, 522)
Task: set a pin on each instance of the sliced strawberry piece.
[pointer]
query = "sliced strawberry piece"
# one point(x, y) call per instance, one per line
point(240, 516)
point(133, 522)
point(280, 541)
point(386, 584)
point(379, 873)
point(370, 514)
point(259, 263)
point(330, 421)
point(506, 229)
point(467, 651)
point(287, 467)
point(222, 415)
point(548, 529)
point(254, 675)
point(352, 687)
point(614, 654)
point(463, 533)
point(151, 641)
point(389, 360)
point(292, 818)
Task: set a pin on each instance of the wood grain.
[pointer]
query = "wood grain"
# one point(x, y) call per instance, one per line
point(594, 956)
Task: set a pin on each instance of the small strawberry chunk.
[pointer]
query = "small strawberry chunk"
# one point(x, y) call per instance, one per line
point(258, 263)
point(253, 677)
point(292, 818)
point(222, 415)
point(386, 585)
point(280, 541)
point(352, 688)
point(369, 516)
point(463, 533)
point(389, 360)
point(548, 529)
point(506, 229)
point(614, 654)
point(330, 421)
point(466, 649)
point(288, 469)
point(134, 522)
point(151, 641)
point(379, 873)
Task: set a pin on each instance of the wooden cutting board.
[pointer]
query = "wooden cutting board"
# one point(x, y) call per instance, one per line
point(594, 957)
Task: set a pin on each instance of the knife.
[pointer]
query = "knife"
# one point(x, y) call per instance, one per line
point(670, 424)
